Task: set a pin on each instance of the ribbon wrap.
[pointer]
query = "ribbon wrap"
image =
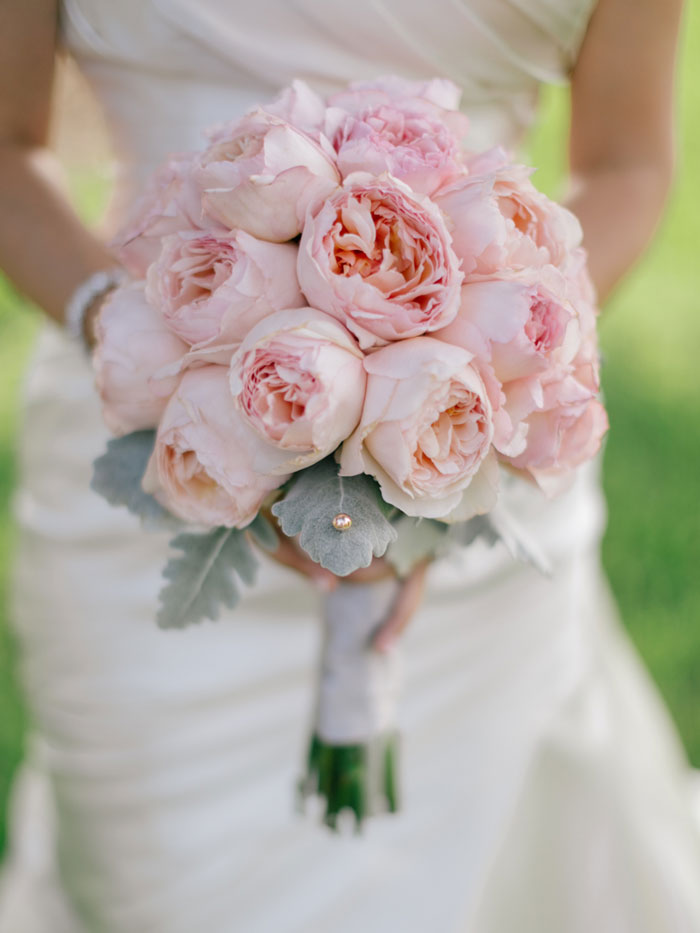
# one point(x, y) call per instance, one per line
point(352, 755)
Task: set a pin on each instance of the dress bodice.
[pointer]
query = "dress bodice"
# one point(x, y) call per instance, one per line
point(165, 69)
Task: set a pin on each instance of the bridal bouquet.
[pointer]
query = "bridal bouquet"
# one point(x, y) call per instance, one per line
point(342, 318)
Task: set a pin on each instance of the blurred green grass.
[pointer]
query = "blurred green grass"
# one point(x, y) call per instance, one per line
point(651, 339)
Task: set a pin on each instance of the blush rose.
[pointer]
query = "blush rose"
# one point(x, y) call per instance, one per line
point(133, 352)
point(425, 432)
point(208, 465)
point(499, 220)
point(212, 289)
point(378, 257)
point(298, 379)
point(566, 431)
point(261, 173)
point(403, 140)
point(171, 202)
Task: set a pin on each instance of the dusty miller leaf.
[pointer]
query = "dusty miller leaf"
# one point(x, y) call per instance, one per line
point(421, 538)
point(315, 497)
point(202, 578)
point(417, 538)
point(263, 533)
point(520, 545)
point(117, 476)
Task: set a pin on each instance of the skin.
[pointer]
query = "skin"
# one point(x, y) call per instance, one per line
point(621, 157)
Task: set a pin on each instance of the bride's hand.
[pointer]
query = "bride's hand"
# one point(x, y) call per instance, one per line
point(405, 606)
point(406, 603)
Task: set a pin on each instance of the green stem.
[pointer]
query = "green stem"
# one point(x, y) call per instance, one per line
point(361, 778)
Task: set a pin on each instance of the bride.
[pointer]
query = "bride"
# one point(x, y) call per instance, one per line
point(545, 791)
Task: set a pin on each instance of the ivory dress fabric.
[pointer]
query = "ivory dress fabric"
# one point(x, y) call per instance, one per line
point(544, 788)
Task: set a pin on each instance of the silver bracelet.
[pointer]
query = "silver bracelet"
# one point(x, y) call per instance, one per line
point(96, 285)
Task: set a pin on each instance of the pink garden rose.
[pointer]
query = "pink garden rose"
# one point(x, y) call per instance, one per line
point(212, 288)
point(298, 378)
point(518, 328)
point(527, 330)
point(261, 173)
point(407, 128)
point(426, 431)
point(378, 257)
point(171, 202)
point(407, 138)
point(566, 431)
point(521, 324)
point(499, 220)
point(559, 408)
point(440, 94)
point(208, 466)
point(300, 106)
point(408, 144)
point(133, 352)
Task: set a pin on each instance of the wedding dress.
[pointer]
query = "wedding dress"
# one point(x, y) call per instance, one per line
point(544, 788)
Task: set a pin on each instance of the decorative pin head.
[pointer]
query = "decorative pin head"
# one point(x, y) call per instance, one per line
point(342, 522)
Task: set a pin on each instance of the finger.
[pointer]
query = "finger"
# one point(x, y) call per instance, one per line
point(291, 555)
point(404, 608)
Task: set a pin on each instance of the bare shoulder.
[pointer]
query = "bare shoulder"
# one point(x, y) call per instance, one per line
point(27, 52)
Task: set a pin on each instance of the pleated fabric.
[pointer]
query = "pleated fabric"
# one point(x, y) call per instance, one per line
point(544, 787)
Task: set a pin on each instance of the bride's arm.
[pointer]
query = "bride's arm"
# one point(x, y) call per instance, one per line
point(621, 143)
point(44, 248)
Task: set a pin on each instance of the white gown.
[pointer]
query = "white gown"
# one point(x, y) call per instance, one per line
point(544, 791)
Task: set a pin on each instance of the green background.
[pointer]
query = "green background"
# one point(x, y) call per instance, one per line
point(651, 339)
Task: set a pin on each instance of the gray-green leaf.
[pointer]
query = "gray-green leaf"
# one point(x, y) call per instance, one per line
point(417, 538)
point(315, 497)
point(117, 476)
point(202, 578)
point(263, 533)
point(421, 538)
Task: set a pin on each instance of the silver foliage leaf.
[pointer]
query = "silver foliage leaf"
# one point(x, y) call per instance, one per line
point(520, 545)
point(202, 578)
point(117, 476)
point(263, 533)
point(417, 539)
point(426, 538)
point(315, 497)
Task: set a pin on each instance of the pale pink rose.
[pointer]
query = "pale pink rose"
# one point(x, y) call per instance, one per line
point(499, 220)
point(378, 257)
point(261, 173)
point(208, 466)
point(213, 288)
point(565, 433)
point(581, 292)
point(299, 380)
point(578, 276)
point(439, 93)
point(400, 138)
point(521, 324)
point(296, 104)
point(426, 431)
point(300, 106)
point(411, 129)
point(171, 202)
point(133, 351)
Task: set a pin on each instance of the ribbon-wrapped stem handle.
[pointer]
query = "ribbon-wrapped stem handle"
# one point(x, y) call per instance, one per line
point(352, 759)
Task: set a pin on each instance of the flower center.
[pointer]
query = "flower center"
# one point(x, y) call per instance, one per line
point(453, 441)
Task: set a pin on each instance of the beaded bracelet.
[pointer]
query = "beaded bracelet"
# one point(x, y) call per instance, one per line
point(96, 285)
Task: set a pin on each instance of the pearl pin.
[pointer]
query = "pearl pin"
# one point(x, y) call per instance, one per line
point(342, 522)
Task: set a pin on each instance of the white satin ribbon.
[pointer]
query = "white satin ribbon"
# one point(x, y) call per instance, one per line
point(358, 686)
